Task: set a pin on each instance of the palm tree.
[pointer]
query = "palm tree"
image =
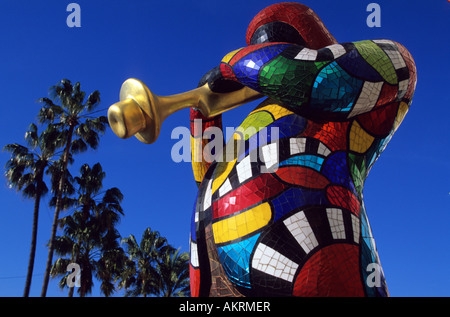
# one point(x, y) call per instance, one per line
point(74, 118)
point(25, 172)
point(140, 276)
point(173, 274)
point(154, 267)
point(90, 238)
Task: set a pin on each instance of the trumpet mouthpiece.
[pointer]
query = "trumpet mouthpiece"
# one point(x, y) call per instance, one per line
point(135, 113)
point(126, 118)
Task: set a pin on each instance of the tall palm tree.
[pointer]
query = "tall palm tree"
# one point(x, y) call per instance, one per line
point(75, 119)
point(173, 274)
point(25, 172)
point(154, 267)
point(90, 237)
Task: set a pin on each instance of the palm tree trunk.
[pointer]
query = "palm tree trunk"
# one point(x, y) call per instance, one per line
point(37, 201)
point(51, 245)
point(71, 289)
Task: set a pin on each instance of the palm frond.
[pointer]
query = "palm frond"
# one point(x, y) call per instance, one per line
point(93, 101)
point(49, 111)
point(31, 136)
point(60, 267)
point(16, 149)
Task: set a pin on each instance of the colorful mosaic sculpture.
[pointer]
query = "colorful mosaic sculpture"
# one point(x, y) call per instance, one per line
point(292, 222)
point(280, 212)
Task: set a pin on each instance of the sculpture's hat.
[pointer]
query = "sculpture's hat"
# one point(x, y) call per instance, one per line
point(289, 22)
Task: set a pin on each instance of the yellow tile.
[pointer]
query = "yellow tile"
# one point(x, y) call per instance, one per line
point(276, 110)
point(402, 111)
point(242, 224)
point(230, 55)
point(223, 169)
point(360, 140)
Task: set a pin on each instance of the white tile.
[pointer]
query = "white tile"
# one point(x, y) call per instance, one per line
point(276, 264)
point(383, 41)
point(194, 254)
point(323, 149)
point(356, 228)
point(208, 193)
point(307, 54)
point(337, 50)
point(225, 188)
point(270, 155)
point(297, 145)
point(396, 58)
point(336, 223)
point(244, 169)
point(402, 88)
point(367, 98)
point(300, 229)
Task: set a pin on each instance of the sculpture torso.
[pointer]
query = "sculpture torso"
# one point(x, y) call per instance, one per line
point(308, 209)
point(286, 216)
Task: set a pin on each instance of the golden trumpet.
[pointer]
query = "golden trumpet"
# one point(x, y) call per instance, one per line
point(141, 113)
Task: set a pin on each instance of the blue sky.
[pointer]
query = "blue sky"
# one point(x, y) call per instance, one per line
point(169, 45)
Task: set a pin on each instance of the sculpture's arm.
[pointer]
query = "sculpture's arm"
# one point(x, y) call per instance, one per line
point(199, 123)
point(336, 82)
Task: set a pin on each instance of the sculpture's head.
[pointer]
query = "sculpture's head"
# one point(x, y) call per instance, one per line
point(289, 22)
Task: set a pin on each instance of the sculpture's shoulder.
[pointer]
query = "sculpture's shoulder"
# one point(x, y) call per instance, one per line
point(404, 66)
point(409, 60)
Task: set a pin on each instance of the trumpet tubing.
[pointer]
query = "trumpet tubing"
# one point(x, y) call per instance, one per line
point(141, 113)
